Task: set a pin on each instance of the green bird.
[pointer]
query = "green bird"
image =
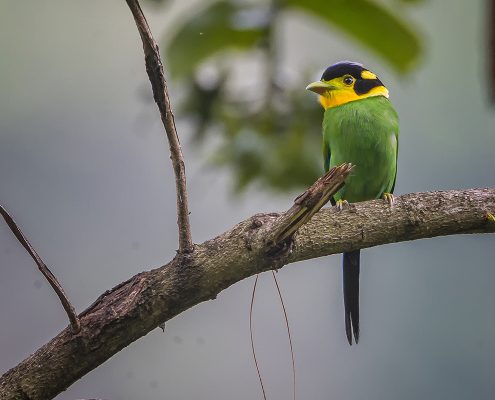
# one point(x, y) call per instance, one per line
point(360, 126)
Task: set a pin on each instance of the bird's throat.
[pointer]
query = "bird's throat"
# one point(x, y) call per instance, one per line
point(334, 98)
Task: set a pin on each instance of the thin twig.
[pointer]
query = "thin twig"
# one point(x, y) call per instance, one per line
point(290, 336)
point(252, 339)
point(288, 332)
point(69, 309)
point(154, 68)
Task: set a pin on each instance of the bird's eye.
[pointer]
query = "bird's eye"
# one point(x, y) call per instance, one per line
point(348, 80)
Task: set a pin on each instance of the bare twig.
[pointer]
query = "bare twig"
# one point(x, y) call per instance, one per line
point(252, 337)
point(154, 67)
point(288, 334)
point(52, 280)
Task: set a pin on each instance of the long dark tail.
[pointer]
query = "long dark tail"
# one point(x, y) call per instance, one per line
point(351, 294)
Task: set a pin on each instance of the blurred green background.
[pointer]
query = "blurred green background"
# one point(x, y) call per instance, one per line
point(85, 171)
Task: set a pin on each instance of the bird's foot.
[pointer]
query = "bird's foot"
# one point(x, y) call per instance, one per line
point(341, 204)
point(389, 198)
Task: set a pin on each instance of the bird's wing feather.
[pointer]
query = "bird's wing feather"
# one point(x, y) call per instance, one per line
point(326, 154)
point(326, 162)
point(396, 159)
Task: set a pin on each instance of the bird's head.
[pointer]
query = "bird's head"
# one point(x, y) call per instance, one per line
point(346, 81)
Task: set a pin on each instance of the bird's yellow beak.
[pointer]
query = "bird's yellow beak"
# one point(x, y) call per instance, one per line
point(320, 87)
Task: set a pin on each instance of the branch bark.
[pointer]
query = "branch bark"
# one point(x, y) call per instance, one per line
point(154, 68)
point(135, 307)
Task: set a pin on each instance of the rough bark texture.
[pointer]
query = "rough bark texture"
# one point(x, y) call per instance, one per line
point(135, 307)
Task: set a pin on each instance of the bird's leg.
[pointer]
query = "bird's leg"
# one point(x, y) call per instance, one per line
point(341, 204)
point(389, 198)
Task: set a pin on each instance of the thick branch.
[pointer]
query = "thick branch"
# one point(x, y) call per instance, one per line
point(52, 280)
point(154, 67)
point(133, 308)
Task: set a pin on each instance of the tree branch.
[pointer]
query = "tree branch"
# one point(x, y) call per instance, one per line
point(154, 68)
point(135, 307)
point(52, 280)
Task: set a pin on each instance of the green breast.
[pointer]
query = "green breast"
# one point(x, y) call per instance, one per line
point(365, 133)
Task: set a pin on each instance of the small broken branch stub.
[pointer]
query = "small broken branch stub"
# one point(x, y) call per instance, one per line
point(310, 202)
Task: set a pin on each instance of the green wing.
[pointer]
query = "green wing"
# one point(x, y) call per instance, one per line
point(326, 163)
point(326, 155)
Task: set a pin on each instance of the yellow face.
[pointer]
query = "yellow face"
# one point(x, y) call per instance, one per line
point(346, 88)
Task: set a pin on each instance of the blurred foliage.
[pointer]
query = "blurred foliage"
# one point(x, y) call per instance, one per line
point(217, 33)
point(226, 56)
point(157, 2)
point(371, 25)
point(410, 1)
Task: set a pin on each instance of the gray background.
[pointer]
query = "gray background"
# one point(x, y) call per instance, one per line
point(84, 169)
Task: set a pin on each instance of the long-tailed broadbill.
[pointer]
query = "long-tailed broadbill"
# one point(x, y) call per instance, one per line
point(360, 126)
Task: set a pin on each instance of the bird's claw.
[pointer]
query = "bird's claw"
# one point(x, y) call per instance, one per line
point(389, 198)
point(341, 204)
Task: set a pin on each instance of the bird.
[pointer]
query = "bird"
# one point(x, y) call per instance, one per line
point(360, 126)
